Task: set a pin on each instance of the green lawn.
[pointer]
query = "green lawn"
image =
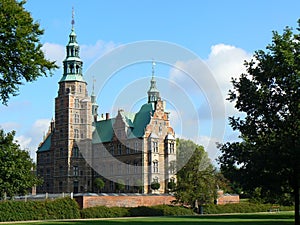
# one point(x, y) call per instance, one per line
point(282, 218)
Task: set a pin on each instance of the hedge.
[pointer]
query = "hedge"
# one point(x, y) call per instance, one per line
point(63, 208)
point(241, 208)
point(159, 210)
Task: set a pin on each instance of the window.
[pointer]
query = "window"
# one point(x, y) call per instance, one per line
point(76, 119)
point(136, 147)
point(171, 148)
point(80, 89)
point(75, 152)
point(61, 171)
point(112, 149)
point(155, 166)
point(76, 133)
point(76, 103)
point(127, 187)
point(119, 149)
point(155, 146)
point(172, 167)
point(111, 185)
point(48, 172)
point(135, 167)
point(127, 148)
point(61, 152)
point(60, 184)
point(128, 167)
point(75, 170)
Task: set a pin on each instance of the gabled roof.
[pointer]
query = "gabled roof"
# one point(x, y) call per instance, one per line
point(141, 120)
point(136, 124)
point(104, 131)
point(46, 145)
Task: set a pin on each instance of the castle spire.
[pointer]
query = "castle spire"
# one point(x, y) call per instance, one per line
point(153, 92)
point(72, 62)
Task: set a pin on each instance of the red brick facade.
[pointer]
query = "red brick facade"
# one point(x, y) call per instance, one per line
point(123, 201)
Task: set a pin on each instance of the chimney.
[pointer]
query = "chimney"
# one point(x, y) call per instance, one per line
point(52, 126)
point(107, 116)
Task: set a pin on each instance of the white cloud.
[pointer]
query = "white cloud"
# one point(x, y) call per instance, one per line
point(223, 63)
point(54, 52)
point(9, 126)
point(92, 52)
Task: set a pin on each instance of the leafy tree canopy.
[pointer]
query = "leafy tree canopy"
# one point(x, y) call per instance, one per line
point(16, 175)
point(21, 57)
point(267, 158)
point(197, 180)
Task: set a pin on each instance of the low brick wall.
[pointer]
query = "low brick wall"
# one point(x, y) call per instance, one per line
point(228, 199)
point(123, 201)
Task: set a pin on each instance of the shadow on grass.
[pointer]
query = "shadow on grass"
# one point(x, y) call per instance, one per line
point(236, 219)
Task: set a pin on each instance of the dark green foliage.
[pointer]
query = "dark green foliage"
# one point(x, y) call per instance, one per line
point(197, 179)
point(22, 59)
point(171, 185)
point(99, 184)
point(64, 208)
point(159, 210)
point(267, 159)
point(155, 185)
point(104, 212)
point(15, 167)
point(241, 208)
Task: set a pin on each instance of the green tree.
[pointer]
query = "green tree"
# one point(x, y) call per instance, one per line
point(155, 185)
point(120, 185)
point(21, 57)
point(267, 159)
point(16, 175)
point(196, 180)
point(99, 184)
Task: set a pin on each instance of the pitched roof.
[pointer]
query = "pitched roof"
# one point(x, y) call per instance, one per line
point(136, 122)
point(104, 131)
point(46, 145)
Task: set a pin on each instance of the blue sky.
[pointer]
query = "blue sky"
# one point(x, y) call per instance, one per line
point(221, 33)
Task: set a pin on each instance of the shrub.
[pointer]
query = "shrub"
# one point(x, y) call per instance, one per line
point(64, 208)
point(104, 212)
point(241, 208)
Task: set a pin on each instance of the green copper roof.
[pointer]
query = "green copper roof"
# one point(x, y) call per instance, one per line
point(72, 77)
point(136, 123)
point(46, 144)
point(141, 120)
point(104, 131)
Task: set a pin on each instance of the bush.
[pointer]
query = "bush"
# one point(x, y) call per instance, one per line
point(241, 208)
point(104, 212)
point(64, 208)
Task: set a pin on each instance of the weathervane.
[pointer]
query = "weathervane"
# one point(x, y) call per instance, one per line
point(73, 19)
point(153, 66)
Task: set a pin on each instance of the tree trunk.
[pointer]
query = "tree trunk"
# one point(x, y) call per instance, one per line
point(296, 195)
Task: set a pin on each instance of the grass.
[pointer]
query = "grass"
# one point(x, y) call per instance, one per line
point(282, 218)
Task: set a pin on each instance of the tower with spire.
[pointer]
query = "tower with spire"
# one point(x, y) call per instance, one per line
point(137, 148)
point(67, 170)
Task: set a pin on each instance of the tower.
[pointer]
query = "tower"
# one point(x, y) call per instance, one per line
point(153, 92)
point(73, 124)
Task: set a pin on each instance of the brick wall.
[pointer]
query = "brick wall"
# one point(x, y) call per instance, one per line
point(123, 201)
point(227, 198)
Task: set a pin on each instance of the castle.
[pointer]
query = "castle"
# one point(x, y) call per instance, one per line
point(131, 149)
